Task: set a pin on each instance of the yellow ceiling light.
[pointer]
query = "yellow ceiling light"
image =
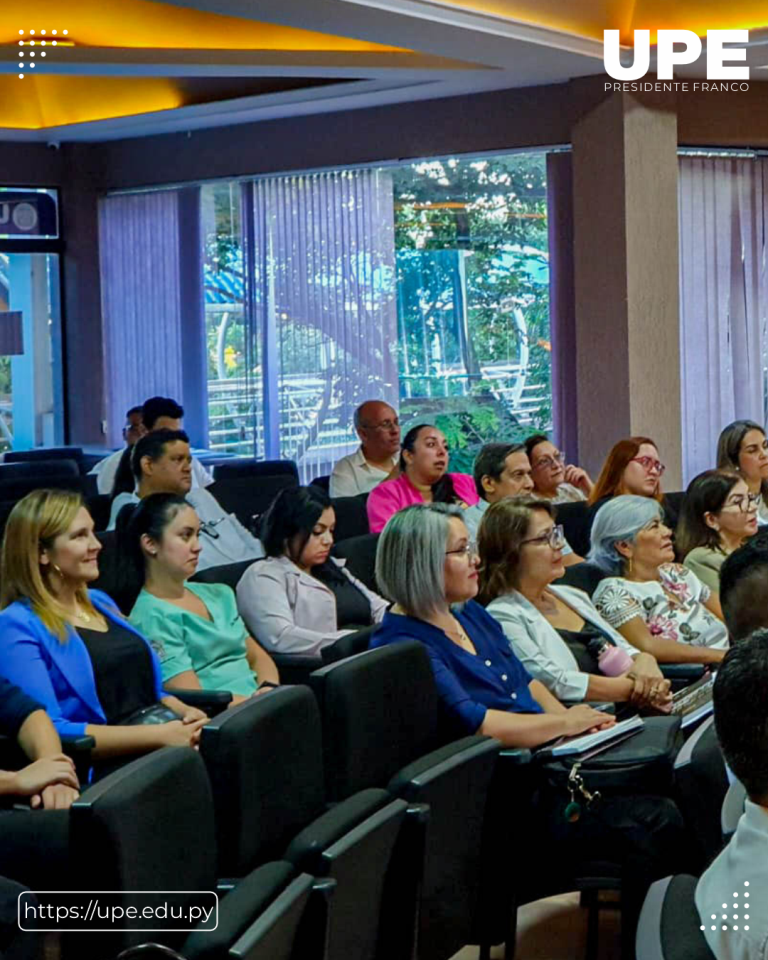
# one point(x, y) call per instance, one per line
point(143, 23)
point(52, 101)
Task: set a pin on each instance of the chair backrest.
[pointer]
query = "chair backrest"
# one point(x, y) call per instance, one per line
point(243, 467)
point(348, 645)
point(583, 576)
point(576, 519)
point(379, 712)
point(352, 844)
point(228, 573)
point(247, 497)
point(669, 927)
point(258, 920)
point(323, 482)
point(112, 579)
point(132, 831)
point(44, 453)
point(99, 507)
point(360, 554)
point(265, 762)
point(702, 784)
point(351, 516)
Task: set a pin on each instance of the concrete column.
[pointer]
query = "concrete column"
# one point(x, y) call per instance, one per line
point(626, 278)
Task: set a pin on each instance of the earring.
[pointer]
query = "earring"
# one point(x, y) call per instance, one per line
point(57, 569)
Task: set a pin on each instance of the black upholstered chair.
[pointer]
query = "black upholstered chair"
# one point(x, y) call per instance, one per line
point(702, 784)
point(46, 454)
point(669, 925)
point(323, 482)
point(265, 762)
point(347, 646)
point(99, 507)
point(227, 573)
point(351, 516)
point(248, 497)
point(387, 697)
point(241, 467)
point(360, 554)
point(19, 479)
point(576, 519)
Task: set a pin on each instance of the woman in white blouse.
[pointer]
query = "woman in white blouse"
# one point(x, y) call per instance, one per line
point(300, 599)
point(656, 604)
point(521, 556)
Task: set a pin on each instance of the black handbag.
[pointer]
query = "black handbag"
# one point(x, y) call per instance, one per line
point(642, 764)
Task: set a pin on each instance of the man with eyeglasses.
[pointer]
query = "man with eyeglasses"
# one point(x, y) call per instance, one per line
point(504, 470)
point(375, 460)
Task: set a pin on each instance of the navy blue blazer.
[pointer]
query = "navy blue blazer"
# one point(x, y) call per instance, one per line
point(15, 707)
point(59, 674)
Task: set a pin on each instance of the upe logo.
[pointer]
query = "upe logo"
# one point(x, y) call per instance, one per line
point(667, 56)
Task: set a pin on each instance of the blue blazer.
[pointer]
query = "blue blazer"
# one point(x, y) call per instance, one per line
point(59, 674)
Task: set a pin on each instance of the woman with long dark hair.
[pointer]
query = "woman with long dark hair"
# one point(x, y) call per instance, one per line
point(718, 515)
point(193, 627)
point(300, 599)
point(423, 478)
point(743, 448)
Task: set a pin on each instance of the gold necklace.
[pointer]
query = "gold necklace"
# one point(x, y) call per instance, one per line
point(82, 615)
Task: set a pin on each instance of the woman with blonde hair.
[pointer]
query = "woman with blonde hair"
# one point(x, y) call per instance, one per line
point(70, 648)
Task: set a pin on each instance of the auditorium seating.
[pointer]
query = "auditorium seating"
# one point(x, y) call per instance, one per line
point(241, 467)
point(351, 516)
point(46, 454)
point(360, 554)
point(669, 926)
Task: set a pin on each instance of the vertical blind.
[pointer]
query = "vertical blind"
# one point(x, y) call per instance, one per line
point(723, 300)
point(141, 303)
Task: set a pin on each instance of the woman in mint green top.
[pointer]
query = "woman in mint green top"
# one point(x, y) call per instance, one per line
point(194, 628)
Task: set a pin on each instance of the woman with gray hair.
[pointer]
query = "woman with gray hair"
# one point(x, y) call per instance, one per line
point(658, 605)
point(427, 564)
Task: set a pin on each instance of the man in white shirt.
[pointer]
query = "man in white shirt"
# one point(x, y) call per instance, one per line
point(378, 427)
point(157, 413)
point(162, 463)
point(732, 894)
point(503, 470)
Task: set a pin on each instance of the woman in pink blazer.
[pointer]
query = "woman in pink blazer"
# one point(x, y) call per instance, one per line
point(423, 479)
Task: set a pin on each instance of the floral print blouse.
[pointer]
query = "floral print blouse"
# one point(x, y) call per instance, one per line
point(672, 606)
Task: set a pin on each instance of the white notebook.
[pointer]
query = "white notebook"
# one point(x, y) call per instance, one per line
point(586, 741)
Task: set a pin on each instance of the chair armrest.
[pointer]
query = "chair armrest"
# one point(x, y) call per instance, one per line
point(211, 701)
point(682, 674)
point(294, 668)
point(75, 746)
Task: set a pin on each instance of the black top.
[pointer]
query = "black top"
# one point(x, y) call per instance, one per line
point(579, 644)
point(122, 668)
point(352, 606)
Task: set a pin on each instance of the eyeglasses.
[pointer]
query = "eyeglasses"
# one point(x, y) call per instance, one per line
point(468, 550)
point(748, 505)
point(650, 465)
point(385, 425)
point(550, 463)
point(554, 537)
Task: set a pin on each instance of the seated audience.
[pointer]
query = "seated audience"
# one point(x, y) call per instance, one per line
point(157, 413)
point(545, 624)
point(69, 648)
point(194, 628)
point(300, 599)
point(378, 427)
point(503, 470)
point(717, 516)
point(106, 470)
point(554, 479)
point(423, 478)
point(659, 606)
point(743, 448)
point(740, 697)
point(485, 689)
point(162, 463)
point(744, 588)
point(632, 467)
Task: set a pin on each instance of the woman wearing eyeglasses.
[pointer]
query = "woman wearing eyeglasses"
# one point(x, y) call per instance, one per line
point(718, 515)
point(553, 479)
point(556, 632)
point(484, 688)
point(632, 467)
point(743, 448)
point(658, 605)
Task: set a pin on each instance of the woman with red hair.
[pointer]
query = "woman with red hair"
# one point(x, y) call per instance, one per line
point(633, 466)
